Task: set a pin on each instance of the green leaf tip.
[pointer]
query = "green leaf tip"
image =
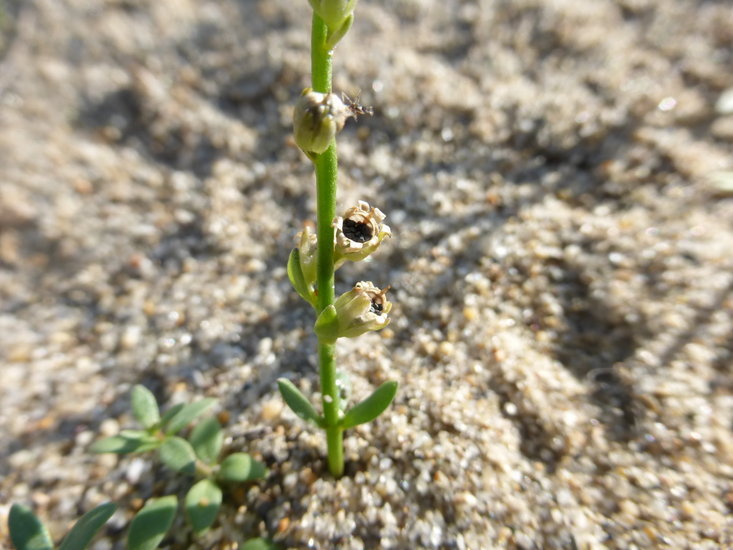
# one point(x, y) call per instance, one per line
point(298, 402)
point(128, 441)
point(86, 528)
point(371, 407)
point(202, 505)
point(240, 467)
point(178, 455)
point(185, 415)
point(145, 407)
point(206, 439)
point(297, 278)
point(170, 413)
point(335, 36)
point(27, 532)
point(149, 527)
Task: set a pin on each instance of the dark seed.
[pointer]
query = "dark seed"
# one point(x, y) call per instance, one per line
point(357, 231)
point(376, 307)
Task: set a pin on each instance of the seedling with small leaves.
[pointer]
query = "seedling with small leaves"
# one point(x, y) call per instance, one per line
point(199, 455)
point(27, 532)
point(318, 116)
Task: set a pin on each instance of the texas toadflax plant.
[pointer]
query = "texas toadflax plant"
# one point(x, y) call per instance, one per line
point(319, 115)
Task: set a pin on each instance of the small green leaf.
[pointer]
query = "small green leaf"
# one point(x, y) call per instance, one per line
point(327, 325)
point(259, 544)
point(298, 402)
point(128, 441)
point(150, 525)
point(371, 407)
point(26, 530)
point(84, 530)
point(295, 274)
point(170, 413)
point(206, 439)
point(178, 455)
point(202, 505)
point(145, 407)
point(334, 37)
point(186, 415)
point(240, 467)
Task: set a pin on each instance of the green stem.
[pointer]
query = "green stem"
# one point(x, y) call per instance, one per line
point(203, 469)
point(326, 174)
point(326, 177)
point(320, 57)
point(334, 433)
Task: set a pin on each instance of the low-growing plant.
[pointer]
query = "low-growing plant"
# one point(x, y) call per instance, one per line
point(319, 115)
point(199, 455)
point(27, 532)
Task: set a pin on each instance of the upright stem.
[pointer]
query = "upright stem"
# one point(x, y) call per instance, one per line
point(326, 176)
point(320, 57)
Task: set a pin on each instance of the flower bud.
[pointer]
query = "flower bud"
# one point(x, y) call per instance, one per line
point(302, 266)
point(317, 119)
point(334, 12)
point(359, 233)
point(364, 308)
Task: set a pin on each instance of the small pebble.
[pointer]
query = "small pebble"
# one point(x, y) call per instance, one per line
point(271, 410)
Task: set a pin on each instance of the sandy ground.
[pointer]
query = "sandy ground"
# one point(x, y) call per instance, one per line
point(554, 173)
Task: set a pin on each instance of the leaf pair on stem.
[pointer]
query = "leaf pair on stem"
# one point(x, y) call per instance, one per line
point(364, 412)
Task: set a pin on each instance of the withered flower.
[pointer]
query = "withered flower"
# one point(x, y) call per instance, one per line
point(359, 232)
point(362, 309)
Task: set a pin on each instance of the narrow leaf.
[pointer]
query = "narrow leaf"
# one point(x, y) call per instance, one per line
point(295, 274)
point(186, 415)
point(240, 467)
point(298, 402)
point(170, 413)
point(145, 407)
point(259, 544)
point(334, 37)
point(178, 455)
point(84, 530)
point(202, 505)
point(371, 407)
point(206, 439)
point(26, 530)
point(150, 525)
point(128, 441)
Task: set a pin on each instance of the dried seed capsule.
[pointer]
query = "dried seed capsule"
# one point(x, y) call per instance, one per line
point(362, 309)
point(359, 232)
point(317, 119)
